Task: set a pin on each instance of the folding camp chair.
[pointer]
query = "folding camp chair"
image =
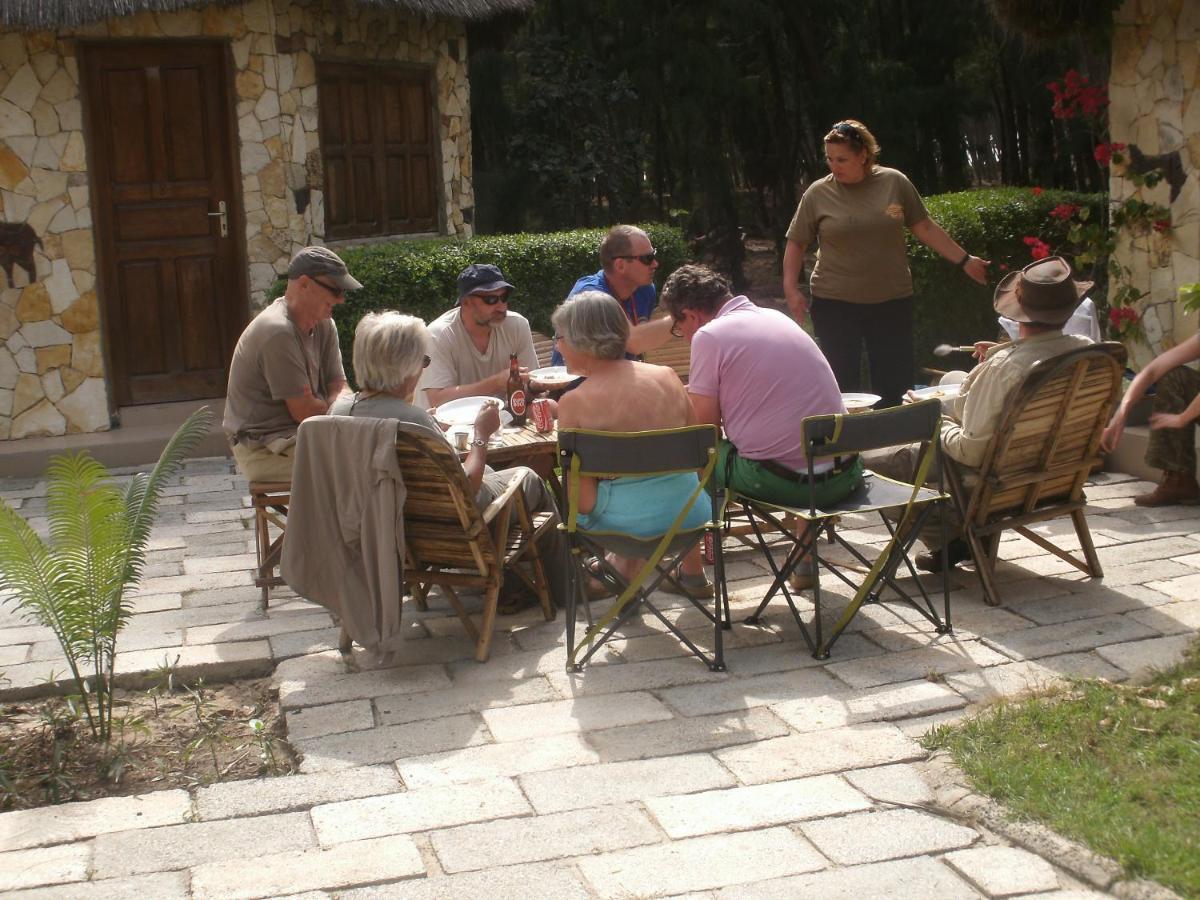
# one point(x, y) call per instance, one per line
point(637, 454)
point(1046, 445)
point(911, 504)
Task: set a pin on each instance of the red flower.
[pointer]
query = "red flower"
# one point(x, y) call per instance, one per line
point(1162, 226)
point(1037, 191)
point(1064, 211)
point(1104, 152)
point(1003, 267)
point(1038, 248)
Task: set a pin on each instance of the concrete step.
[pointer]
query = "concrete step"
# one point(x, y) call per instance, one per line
point(1130, 455)
point(138, 439)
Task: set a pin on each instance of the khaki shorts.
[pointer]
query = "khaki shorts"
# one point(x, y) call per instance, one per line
point(265, 463)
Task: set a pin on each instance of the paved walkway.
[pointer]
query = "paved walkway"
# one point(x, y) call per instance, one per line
point(645, 775)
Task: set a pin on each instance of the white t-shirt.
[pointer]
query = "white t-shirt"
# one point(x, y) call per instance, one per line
point(455, 360)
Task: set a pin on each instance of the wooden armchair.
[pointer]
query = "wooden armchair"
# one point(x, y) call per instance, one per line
point(1035, 467)
point(450, 543)
point(543, 346)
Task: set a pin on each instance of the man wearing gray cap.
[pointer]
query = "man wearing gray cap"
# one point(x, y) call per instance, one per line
point(287, 366)
point(471, 343)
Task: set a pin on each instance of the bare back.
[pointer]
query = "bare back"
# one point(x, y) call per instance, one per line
point(627, 396)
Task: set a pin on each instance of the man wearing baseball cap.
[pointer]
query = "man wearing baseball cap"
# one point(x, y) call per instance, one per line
point(471, 342)
point(287, 366)
point(1040, 298)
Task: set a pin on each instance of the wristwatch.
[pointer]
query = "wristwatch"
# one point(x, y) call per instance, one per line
point(478, 442)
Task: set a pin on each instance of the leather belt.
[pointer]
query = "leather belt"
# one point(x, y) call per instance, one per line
point(840, 464)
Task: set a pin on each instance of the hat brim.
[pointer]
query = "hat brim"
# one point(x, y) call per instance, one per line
point(485, 288)
point(1006, 302)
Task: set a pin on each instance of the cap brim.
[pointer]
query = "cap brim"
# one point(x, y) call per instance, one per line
point(484, 288)
point(348, 282)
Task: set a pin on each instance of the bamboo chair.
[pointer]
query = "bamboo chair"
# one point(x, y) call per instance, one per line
point(450, 543)
point(1046, 445)
point(641, 453)
point(543, 346)
point(270, 500)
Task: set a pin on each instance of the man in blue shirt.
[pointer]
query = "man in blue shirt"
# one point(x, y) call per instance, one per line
point(629, 262)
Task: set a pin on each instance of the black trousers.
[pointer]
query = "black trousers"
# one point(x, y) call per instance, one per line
point(887, 331)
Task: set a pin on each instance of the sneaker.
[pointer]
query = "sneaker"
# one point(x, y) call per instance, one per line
point(956, 551)
point(698, 587)
point(1175, 488)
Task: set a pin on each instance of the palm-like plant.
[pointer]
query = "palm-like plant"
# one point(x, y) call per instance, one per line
point(78, 584)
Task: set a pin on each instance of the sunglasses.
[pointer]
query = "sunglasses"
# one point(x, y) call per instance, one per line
point(492, 299)
point(645, 258)
point(336, 291)
point(848, 131)
point(425, 361)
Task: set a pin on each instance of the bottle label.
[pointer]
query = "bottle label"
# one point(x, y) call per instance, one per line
point(516, 400)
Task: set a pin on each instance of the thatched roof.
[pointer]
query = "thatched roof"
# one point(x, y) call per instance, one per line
point(54, 14)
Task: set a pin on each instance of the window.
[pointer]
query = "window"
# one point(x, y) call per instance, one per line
point(378, 148)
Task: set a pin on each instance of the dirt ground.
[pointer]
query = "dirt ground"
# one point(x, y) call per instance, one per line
point(162, 739)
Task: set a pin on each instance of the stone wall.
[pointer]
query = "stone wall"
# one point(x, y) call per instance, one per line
point(1154, 91)
point(52, 372)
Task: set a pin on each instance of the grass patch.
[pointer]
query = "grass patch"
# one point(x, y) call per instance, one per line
point(1115, 767)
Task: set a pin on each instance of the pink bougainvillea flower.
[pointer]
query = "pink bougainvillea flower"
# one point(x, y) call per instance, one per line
point(1037, 191)
point(1162, 226)
point(1038, 248)
point(1064, 211)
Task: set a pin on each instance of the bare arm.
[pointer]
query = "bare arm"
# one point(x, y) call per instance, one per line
point(492, 386)
point(487, 423)
point(933, 236)
point(793, 263)
point(1186, 352)
point(308, 404)
point(648, 335)
point(707, 409)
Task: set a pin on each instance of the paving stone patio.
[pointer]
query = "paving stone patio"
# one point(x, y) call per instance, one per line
point(646, 775)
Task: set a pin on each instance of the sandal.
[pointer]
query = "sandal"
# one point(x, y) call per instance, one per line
point(598, 585)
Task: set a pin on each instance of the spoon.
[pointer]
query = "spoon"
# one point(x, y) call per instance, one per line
point(947, 349)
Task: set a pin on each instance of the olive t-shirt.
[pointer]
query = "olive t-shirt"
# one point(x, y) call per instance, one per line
point(273, 360)
point(860, 227)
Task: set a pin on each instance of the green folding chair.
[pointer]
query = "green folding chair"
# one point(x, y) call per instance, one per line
point(644, 453)
point(903, 508)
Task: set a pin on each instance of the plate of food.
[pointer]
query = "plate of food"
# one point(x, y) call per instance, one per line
point(859, 402)
point(552, 376)
point(464, 410)
point(936, 392)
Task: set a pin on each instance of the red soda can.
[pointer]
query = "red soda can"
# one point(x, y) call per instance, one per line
point(709, 554)
point(543, 418)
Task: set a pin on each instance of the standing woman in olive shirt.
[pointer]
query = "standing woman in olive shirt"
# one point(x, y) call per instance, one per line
point(861, 286)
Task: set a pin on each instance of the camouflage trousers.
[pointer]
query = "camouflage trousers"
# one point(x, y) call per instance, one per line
point(1174, 449)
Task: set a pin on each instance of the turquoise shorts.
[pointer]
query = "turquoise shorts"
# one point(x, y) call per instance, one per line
point(646, 507)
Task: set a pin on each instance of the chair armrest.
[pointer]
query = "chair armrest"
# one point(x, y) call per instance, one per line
point(493, 508)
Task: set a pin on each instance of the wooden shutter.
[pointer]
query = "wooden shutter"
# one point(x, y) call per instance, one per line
point(377, 142)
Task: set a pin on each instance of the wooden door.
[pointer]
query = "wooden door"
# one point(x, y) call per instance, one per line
point(163, 168)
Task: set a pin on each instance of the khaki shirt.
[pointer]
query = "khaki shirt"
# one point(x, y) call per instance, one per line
point(860, 227)
point(986, 390)
point(455, 360)
point(273, 361)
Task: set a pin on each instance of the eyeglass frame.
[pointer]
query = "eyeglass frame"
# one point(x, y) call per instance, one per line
point(335, 290)
point(492, 299)
point(426, 360)
point(646, 259)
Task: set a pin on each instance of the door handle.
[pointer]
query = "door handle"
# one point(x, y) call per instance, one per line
point(222, 215)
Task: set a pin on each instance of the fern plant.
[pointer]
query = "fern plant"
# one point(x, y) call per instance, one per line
point(78, 583)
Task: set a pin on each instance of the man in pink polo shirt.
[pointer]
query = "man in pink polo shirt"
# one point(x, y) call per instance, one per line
point(758, 374)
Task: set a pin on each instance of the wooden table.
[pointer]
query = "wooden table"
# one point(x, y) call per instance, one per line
point(524, 446)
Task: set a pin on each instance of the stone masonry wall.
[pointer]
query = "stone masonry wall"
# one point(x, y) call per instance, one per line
point(52, 372)
point(1154, 92)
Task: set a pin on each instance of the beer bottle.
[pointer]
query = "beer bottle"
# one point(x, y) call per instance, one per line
point(515, 392)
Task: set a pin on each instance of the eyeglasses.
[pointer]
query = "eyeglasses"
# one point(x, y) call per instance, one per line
point(336, 291)
point(847, 131)
point(493, 299)
point(425, 361)
point(678, 320)
point(644, 258)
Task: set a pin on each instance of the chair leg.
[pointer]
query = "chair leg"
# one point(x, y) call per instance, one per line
point(491, 600)
point(985, 567)
point(1085, 542)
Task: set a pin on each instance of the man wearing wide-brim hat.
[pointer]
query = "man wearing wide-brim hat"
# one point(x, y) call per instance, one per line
point(1040, 298)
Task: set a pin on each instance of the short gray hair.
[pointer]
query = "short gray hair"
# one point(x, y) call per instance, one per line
point(389, 349)
point(594, 323)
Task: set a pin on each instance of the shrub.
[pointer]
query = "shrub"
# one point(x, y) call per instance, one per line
point(419, 277)
point(992, 223)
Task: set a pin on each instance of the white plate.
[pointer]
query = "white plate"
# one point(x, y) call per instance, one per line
point(464, 410)
point(938, 392)
point(552, 375)
point(859, 402)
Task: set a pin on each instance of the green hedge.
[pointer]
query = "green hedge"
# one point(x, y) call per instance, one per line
point(419, 277)
point(992, 223)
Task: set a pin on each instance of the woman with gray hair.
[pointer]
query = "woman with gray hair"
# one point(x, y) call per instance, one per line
point(391, 350)
point(622, 395)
